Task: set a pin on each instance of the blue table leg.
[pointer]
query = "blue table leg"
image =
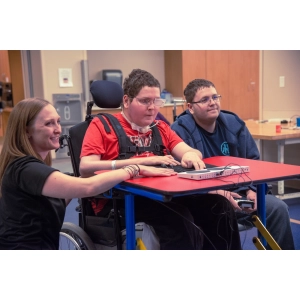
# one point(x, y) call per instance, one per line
point(130, 222)
point(261, 208)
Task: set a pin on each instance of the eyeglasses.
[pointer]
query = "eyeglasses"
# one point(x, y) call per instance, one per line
point(206, 100)
point(148, 101)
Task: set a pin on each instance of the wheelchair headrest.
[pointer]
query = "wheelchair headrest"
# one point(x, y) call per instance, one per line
point(106, 94)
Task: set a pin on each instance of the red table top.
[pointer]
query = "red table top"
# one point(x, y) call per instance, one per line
point(260, 172)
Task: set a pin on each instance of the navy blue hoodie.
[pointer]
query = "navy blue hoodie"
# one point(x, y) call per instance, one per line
point(238, 137)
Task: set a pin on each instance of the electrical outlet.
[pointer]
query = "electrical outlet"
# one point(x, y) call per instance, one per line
point(281, 81)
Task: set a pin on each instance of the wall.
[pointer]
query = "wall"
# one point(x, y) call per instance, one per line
point(281, 102)
point(52, 61)
point(126, 60)
point(45, 65)
point(275, 102)
point(46, 76)
point(32, 73)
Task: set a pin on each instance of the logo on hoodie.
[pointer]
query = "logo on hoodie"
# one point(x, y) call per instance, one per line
point(225, 148)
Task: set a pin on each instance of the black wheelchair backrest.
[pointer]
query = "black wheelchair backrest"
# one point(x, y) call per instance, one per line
point(75, 139)
point(106, 94)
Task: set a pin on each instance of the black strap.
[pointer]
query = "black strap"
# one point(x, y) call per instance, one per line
point(125, 145)
point(157, 142)
point(106, 127)
point(126, 148)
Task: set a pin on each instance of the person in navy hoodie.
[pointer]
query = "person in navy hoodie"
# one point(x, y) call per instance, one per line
point(215, 132)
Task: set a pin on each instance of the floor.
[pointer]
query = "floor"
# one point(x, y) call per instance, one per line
point(64, 165)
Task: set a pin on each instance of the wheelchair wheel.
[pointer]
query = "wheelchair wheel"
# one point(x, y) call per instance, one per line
point(73, 237)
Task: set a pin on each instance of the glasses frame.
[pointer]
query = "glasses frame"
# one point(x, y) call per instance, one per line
point(206, 102)
point(153, 102)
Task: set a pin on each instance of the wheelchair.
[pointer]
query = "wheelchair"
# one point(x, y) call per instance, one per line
point(94, 232)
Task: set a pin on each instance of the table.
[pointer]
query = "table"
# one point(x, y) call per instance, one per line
point(165, 188)
point(267, 131)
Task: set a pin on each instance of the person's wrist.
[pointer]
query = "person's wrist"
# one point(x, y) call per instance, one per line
point(113, 165)
point(132, 170)
point(135, 169)
point(129, 171)
point(142, 168)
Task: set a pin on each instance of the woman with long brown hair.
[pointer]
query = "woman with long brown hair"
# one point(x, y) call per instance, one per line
point(33, 194)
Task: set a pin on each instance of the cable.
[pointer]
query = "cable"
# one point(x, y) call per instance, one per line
point(225, 214)
point(243, 173)
point(245, 221)
point(237, 184)
point(173, 210)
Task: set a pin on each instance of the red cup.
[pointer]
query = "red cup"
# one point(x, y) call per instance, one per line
point(278, 128)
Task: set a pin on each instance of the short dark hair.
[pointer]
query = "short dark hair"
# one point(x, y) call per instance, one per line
point(136, 80)
point(192, 88)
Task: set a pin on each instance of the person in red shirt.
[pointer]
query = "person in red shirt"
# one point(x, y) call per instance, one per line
point(202, 221)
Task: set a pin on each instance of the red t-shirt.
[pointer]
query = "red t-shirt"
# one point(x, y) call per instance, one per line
point(97, 141)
